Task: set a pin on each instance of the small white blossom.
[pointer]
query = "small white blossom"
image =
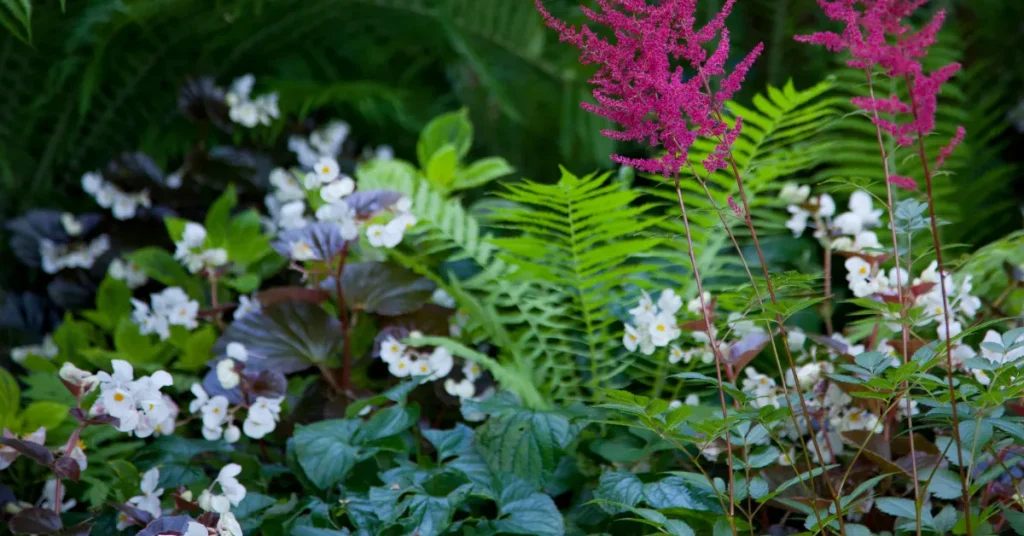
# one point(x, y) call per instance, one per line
point(794, 194)
point(149, 501)
point(336, 190)
point(262, 417)
point(246, 306)
point(461, 389)
point(51, 497)
point(325, 170)
point(383, 236)
point(227, 375)
point(127, 271)
point(47, 350)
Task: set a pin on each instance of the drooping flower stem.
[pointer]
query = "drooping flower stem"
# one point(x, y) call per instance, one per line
point(945, 312)
point(782, 331)
point(903, 299)
point(715, 350)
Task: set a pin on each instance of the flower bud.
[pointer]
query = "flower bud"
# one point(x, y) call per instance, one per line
point(232, 434)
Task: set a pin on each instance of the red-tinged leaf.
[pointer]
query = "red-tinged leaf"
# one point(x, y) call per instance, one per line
point(746, 349)
point(66, 467)
point(36, 521)
point(36, 452)
point(169, 525)
point(901, 445)
point(140, 517)
point(81, 529)
point(78, 413)
point(921, 289)
point(273, 296)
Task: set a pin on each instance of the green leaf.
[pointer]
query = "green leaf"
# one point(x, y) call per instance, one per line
point(451, 443)
point(218, 216)
point(946, 519)
point(160, 265)
point(246, 243)
point(387, 422)
point(481, 172)
point(451, 128)
point(619, 487)
point(676, 527)
point(896, 506)
point(175, 227)
point(1015, 519)
point(133, 346)
point(524, 510)
point(198, 349)
point(46, 414)
point(441, 168)
point(113, 301)
point(244, 283)
point(945, 484)
point(722, 527)
point(525, 442)
point(325, 453)
point(10, 398)
point(675, 492)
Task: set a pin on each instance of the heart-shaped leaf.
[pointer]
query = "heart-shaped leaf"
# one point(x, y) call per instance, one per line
point(382, 288)
point(35, 521)
point(286, 338)
point(66, 467)
point(324, 239)
point(166, 524)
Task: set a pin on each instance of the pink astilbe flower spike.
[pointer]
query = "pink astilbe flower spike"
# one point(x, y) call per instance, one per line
point(654, 80)
point(900, 181)
point(875, 35)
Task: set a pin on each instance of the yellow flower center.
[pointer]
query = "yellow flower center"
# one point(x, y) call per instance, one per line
point(661, 327)
point(764, 381)
point(632, 337)
point(216, 410)
point(118, 397)
point(325, 170)
point(863, 270)
point(81, 445)
point(394, 348)
point(401, 365)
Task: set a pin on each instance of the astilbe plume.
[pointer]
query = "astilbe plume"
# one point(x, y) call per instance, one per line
point(642, 85)
point(876, 35)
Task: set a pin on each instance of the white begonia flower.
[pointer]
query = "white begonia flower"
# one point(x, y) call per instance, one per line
point(757, 383)
point(691, 400)
point(262, 417)
point(711, 450)
point(675, 354)
point(442, 298)
point(461, 389)
point(384, 152)
point(383, 236)
point(631, 338)
point(246, 114)
point(798, 221)
point(232, 434)
point(663, 329)
point(404, 204)
point(48, 350)
point(669, 302)
point(826, 205)
point(862, 206)
point(302, 251)
point(118, 394)
point(693, 306)
point(795, 338)
point(292, 216)
point(856, 419)
point(227, 375)
point(247, 306)
point(328, 139)
point(471, 371)
point(344, 215)
point(391, 350)
point(1001, 357)
point(240, 90)
point(808, 375)
point(71, 225)
point(400, 367)
point(675, 404)
point(267, 107)
point(401, 223)
point(286, 188)
point(227, 525)
point(237, 351)
point(336, 190)
point(441, 363)
point(127, 271)
point(857, 269)
point(834, 440)
point(194, 529)
point(848, 223)
point(420, 367)
point(149, 501)
point(741, 327)
point(92, 182)
point(645, 309)
point(76, 376)
point(232, 492)
point(325, 170)
point(304, 153)
point(201, 398)
point(215, 412)
point(194, 235)
point(212, 434)
point(51, 498)
point(786, 458)
point(866, 240)
point(794, 194)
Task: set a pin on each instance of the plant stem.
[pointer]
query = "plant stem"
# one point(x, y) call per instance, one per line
point(346, 370)
point(717, 353)
point(903, 301)
point(945, 313)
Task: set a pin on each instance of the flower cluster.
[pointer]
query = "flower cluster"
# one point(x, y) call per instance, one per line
point(47, 349)
point(286, 202)
point(191, 252)
point(876, 35)
point(170, 307)
point(123, 205)
point(138, 404)
point(390, 234)
point(324, 142)
point(231, 492)
point(640, 86)
point(127, 271)
point(218, 415)
point(653, 326)
point(56, 257)
point(247, 111)
point(405, 361)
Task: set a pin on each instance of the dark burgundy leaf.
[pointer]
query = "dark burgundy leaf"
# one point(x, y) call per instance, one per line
point(105, 419)
point(267, 383)
point(166, 525)
point(382, 288)
point(36, 521)
point(81, 529)
point(6, 496)
point(30, 228)
point(65, 467)
point(288, 337)
point(28, 313)
point(141, 517)
point(273, 296)
point(78, 413)
point(324, 239)
point(829, 342)
point(370, 202)
point(200, 99)
point(746, 349)
point(133, 172)
point(38, 453)
point(71, 290)
point(431, 319)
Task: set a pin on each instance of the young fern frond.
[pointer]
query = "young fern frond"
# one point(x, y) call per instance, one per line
point(578, 242)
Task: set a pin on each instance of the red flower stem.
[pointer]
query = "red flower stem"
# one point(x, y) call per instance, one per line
point(715, 350)
point(966, 492)
point(903, 301)
point(346, 370)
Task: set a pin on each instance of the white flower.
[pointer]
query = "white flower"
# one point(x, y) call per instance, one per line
point(694, 307)
point(757, 383)
point(237, 351)
point(404, 204)
point(92, 182)
point(149, 501)
point(240, 90)
point(798, 221)
point(663, 329)
point(1001, 357)
point(866, 240)
point(286, 188)
point(301, 251)
point(227, 525)
point(442, 298)
point(691, 400)
point(194, 529)
point(127, 271)
point(246, 114)
point(471, 371)
point(787, 458)
point(391, 350)
point(227, 375)
point(71, 225)
point(675, 354)
point(118, 393)
point(796, 338)
point(383, 236)
point(645, 309)
point(51, 498)
point(826, 205)
point(461, 389)
point(857, 269)
point(232, 492)
point(834, 440)
point(808, 375)
point(215, 412)
point(631, 338)
point(201, 398)
point(848, 223)
point(675, 404)
point(862, 206)
point(335, 191)
point(326, 170)
point(856, 419)
point(794, 194)
point(341, 213)
point(328, 139)
point(262, 418)
point(669, 302)
point(420, 367)
point(400, 367)
point(212, 434)
point(246, 306)
point(232, 434)
point(76, 376)
point(291, 215)
point(194, 235)
point(740, 327)
point(47, 350)
point(441, 363)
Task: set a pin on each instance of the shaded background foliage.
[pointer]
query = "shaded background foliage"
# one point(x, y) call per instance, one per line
point(81, 82)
